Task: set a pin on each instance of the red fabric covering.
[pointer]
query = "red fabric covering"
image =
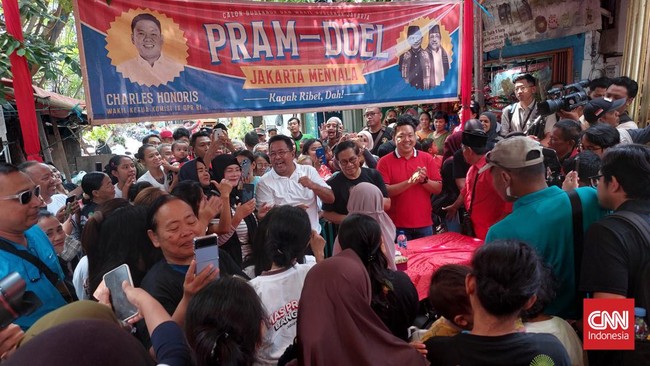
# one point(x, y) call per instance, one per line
point(24, 93)
point(426, 255)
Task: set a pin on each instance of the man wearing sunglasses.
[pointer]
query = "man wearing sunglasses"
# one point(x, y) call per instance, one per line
point(19, 204)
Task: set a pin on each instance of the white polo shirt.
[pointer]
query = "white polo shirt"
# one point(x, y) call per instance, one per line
point(277, 190)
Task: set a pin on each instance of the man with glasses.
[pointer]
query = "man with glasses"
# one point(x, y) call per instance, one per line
point(617, 262)
point(599, 138)
point(541, 215)
point(352, 173)
point(519, 116)
point(380, 134)
point(411, 178)
point(19, 204)
point(292, 184)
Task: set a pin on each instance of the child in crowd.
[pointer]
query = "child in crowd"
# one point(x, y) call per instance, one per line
point(180, 151)
point(535, 321)
point(449, 298)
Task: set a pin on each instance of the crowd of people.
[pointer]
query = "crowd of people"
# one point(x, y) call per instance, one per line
point(552, 209)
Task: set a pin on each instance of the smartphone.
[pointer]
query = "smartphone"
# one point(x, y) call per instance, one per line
point(218, 132)
point(245, 168)
point(98, 166)
point(247, 192)
point(113, 279)
point(320, 153)
point(206, 251)
point(70, 200)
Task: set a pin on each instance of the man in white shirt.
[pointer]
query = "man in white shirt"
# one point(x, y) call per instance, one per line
point(41, 174)
point(151, 67)
point(292, 184)
point(519, 117)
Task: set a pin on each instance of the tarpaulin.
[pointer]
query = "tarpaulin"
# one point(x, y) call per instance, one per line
point(172, 59)
point(426, 255)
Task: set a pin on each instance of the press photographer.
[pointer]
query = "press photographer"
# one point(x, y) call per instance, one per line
point(523, 115)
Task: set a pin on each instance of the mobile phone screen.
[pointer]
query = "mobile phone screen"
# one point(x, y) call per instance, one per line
point(123, 309)
point(320, 153)
point(245, 168)
point(247, 193)
point(70, 200)
point(206, 251)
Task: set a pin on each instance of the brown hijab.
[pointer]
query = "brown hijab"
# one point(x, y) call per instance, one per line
point(366, 198)
point(337, 326)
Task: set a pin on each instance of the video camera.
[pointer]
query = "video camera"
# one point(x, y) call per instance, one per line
point(14, 300)
point(567, 98)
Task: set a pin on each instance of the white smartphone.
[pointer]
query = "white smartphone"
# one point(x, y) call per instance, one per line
point(206, 252)
point(218, 132)
point(113, 279)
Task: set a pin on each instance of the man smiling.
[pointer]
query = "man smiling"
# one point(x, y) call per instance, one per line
point(151, 67)
point(411, 177)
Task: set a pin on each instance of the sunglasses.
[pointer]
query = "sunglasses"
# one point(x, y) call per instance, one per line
point(24, 197)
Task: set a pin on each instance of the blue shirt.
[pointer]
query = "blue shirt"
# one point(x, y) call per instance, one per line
point(544, 220)
point(39, 245)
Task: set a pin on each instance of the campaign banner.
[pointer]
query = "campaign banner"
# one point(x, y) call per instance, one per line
point(523, 21)
point(180, 59)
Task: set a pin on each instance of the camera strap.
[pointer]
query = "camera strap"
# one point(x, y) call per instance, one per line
point(57, 282)
point(578, 239)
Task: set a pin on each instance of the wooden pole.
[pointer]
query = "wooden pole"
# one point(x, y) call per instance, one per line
point(61, 149)
point(43, 138)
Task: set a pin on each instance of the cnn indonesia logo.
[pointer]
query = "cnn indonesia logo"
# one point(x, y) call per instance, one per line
point(609, 324)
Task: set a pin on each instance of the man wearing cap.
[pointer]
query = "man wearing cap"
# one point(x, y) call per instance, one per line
point(541, 215)
point(261, 135)
point(411, 177)
point(439, 57)
point(415, 64)
point(606, 110)
point(482, 202)
point(167, 136)
point(623, 88)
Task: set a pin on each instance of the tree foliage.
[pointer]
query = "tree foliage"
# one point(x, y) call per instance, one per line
point(43, 22)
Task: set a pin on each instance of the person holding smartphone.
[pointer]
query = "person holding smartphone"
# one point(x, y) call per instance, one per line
point(315, 150)
point(243, 222)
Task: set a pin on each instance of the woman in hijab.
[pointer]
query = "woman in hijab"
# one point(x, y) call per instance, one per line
point(366, 199)
point(490, 126)
point(243, 223)
point(394, 297)
point(196, 171)
point(335, 311)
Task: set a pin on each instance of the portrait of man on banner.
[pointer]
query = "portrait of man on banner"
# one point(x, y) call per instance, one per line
point(415, 64)
point(438, 55)
point(151, 66)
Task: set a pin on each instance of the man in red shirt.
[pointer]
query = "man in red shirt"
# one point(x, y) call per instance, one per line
point(482, 202)
point(411, 177)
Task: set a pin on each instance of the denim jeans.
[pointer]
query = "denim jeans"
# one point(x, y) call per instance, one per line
point(416, 233)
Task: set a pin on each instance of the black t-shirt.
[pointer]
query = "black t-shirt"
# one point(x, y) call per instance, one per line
point(386, 135)
point(616, 253)
point(341, 186)
point(460, 165)
point(514, 349)
point(399, 307)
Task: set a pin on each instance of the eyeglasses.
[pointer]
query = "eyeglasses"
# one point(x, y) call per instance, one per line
point(369, 114)
point(24, 197)
point(594, 180)
point(352, 160)
point(279, 154)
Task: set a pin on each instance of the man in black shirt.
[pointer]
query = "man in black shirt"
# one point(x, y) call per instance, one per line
point(380, 134)
point(351, 174)
point(616, 253)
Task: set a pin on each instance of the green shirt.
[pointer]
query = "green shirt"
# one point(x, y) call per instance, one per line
point(544, 220)
point(303, 137)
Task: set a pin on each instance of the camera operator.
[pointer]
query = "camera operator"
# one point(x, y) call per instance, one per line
point(519, 117)
point(565, 139)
